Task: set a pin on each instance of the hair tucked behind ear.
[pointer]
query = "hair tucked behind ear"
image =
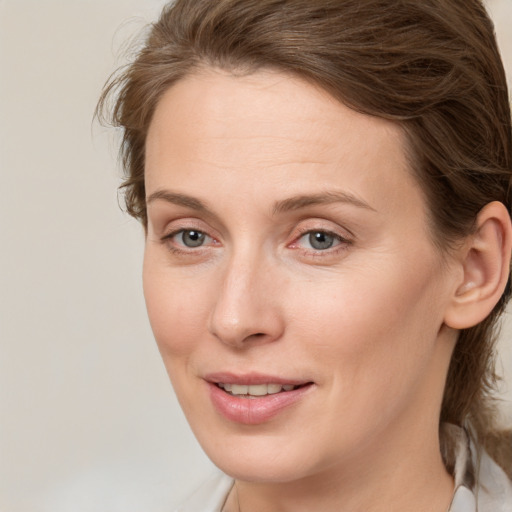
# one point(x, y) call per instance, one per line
point(430, 65)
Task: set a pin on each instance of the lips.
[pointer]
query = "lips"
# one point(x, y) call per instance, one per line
point(253, 398)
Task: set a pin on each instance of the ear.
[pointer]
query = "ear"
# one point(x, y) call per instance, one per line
point(485, 260)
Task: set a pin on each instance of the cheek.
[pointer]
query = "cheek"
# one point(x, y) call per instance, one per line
point(373, 343)
point(372, 323)
point(177, 310)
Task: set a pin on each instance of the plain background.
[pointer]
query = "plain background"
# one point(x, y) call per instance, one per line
point(88, 420)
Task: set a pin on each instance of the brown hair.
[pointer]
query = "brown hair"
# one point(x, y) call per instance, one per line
point(431, 65)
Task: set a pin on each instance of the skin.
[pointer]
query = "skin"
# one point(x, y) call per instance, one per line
point(364, 320)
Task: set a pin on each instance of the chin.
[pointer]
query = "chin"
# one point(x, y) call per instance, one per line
point(259, 469)
point(261, 457)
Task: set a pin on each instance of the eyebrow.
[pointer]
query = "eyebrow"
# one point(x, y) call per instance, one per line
point(179, 199)
point(286, 205)
point(302, 201)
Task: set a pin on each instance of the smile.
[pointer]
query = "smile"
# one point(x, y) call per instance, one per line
point(254, 399)
point(255, 390)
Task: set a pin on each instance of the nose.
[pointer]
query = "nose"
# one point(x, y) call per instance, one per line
point(248, 307)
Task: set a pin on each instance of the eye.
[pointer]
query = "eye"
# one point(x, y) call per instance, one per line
point(319, 240)
point(190, 238)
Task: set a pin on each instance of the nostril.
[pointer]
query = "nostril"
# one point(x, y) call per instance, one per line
point(255, 336)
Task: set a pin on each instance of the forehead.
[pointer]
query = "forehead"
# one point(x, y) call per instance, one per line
point(214, 127)
point(267, 104)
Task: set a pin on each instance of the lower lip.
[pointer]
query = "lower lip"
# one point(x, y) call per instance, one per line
point(253, 411)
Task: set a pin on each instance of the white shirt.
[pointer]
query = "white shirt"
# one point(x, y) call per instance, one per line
point(489, 491)
point(492, 490)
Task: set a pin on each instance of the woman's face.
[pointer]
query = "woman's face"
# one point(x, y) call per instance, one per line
point(290, 277)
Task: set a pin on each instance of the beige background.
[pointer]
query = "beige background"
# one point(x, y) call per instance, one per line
point(88, 421)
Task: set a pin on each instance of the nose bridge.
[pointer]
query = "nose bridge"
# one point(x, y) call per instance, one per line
point(244, 309)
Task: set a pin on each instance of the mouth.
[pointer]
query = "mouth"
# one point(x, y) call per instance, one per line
point(253, 399)
point(252, 391)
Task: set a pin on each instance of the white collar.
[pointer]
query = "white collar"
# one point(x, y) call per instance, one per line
point(489, 489)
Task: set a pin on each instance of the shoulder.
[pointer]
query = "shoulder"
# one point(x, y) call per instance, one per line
point(210, 496)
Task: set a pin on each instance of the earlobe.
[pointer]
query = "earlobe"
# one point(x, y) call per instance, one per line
point(485, 260)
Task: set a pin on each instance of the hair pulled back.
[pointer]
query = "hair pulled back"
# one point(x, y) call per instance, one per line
point(432, 66)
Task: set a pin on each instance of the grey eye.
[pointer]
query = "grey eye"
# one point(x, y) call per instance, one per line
point(320, 240)
point(192, 238)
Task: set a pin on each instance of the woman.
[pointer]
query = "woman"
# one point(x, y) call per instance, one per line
point(324, 188)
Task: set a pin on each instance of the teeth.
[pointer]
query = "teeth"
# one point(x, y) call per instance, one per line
point(255, 390)
point(274, 388)
point(240, 389)
point(259, 390)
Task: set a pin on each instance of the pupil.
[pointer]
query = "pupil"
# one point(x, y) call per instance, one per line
point(193, 238)
point(321, 241)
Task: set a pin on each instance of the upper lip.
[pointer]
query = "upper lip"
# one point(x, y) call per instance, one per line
point(252, 378)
